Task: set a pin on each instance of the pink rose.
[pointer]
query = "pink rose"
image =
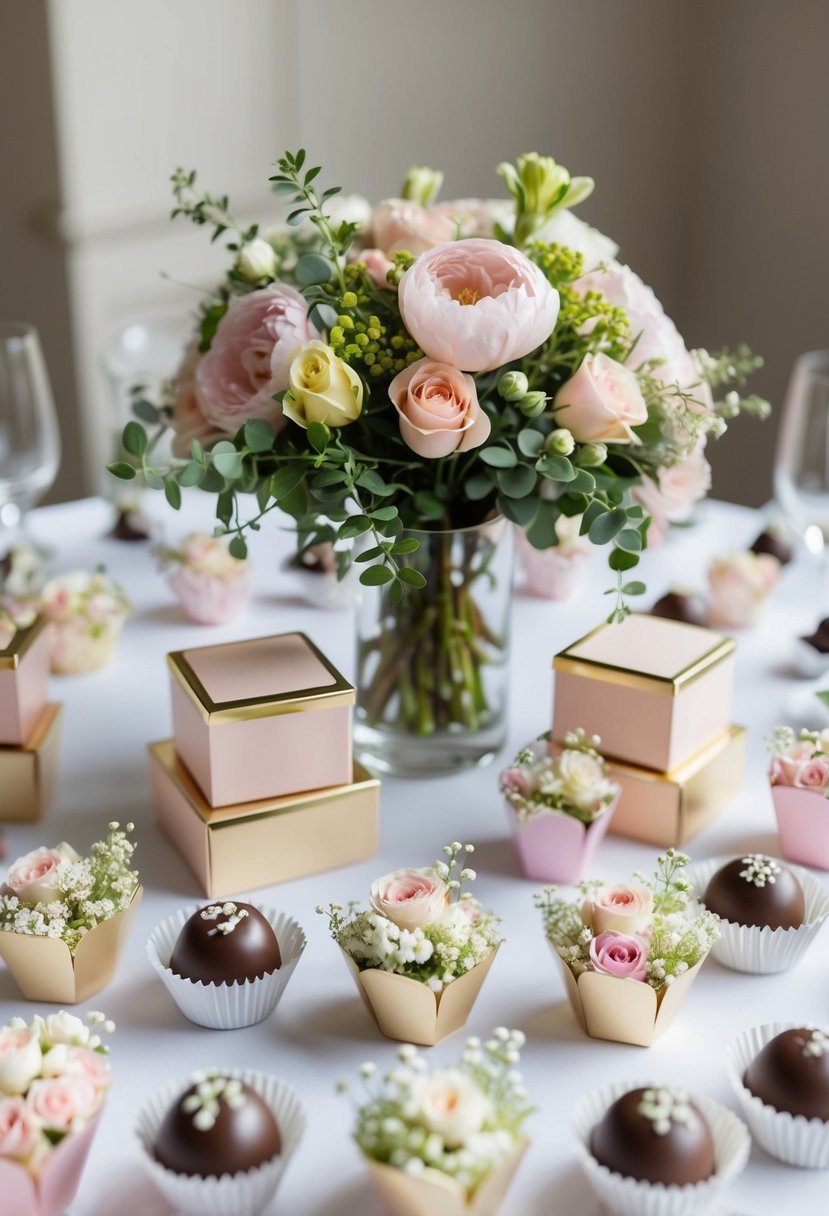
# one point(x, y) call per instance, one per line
point(250, 357)
point(786, 766)
point(410, 898)
point(438, 409)
point(477, 304)
point(20, 1059)
point(19, 1129)
point(187, 420)
point(672, 499)
point(34, 878)
point(601, 402)
point(620, 955)
point(377, 266)
point(398, 225)
point(61, 1102)
point(90, 1065)
point(741, 584)
point(514, 781)
point(813, 775)
point(624, 909)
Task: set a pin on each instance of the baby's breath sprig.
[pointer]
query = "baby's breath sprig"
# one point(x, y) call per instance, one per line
point(455, 853)
point(669, 885)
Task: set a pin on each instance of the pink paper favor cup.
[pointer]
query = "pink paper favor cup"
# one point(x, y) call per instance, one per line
point(54, 1190)
point(803, 823)
point(555, 847)
point(207, 600)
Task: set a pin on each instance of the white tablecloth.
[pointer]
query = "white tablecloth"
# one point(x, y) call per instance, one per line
point(321, 1032)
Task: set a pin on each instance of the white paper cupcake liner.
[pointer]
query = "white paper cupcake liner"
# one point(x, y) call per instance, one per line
point(764, 951)
point(627, 1196)
point(244, 1194)
point(790, 1138)
point(226, 1006)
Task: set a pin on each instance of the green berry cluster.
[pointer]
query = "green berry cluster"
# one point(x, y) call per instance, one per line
point(361, 337)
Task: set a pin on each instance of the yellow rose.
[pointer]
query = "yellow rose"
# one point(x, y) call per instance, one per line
point(322, 388)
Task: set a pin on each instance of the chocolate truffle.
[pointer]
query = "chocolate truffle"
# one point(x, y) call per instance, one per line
point(686, 607)
point(791, 1073)
point(217, 1126)
point(655, 1135)
point(773, 541)
point(756, 890)
point(225, 943)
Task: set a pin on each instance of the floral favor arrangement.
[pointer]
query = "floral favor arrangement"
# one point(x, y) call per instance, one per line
point(422, 949)
point(407, 374)
point(629, 953)
point(799, 777)
point(211, 584)
point(54, 1078)
point(64, 918)
point(449, 1140)
point(559, 805)
point(87, 612)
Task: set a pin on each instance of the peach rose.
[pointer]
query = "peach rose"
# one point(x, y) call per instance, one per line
point(451, 1104)
point(377, 266)
point(741, 584)
point(671, 499)
point(620, 955)
point(19, 1129)
point(410, 898)
point(438, 409)
point(601, 402)
point(624, 909)
point(187, 420)
point(20, 1059)
point(398, 225)
point(477, 304)
point(250, 356)
point(34, 877)
point(61, 1102)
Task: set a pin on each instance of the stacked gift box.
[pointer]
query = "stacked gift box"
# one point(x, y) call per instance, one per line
point(258, 785)
point(658, 693)
point(29, 724)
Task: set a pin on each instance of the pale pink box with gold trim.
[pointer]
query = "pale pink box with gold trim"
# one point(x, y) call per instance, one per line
point(24, 678)
point(261, 718)
point(655, 691)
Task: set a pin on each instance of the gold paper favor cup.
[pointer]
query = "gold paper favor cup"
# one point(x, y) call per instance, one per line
point(435, 1194)
point(408, 1011)
point(45, 969)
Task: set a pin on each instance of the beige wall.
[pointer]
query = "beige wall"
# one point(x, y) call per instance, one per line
point(703, 121)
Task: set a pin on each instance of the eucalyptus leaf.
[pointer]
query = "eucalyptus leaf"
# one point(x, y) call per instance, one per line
point(498, 457)
point(172, 492)
point(259, 435)
point(312, 268)
point(517, 482)
point(121, 469)
point(530, 442)
point(376, 576)
point(134, 439)
point(605, 527)
point(411, 576)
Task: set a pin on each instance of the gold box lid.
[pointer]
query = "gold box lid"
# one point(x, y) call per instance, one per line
point(216, 817)
point(22, 638)
point(646, 652)
point(259, 678)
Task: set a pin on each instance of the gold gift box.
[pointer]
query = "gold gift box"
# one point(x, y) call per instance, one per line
point(669, 808)
point(29, 774)
point(256, 844)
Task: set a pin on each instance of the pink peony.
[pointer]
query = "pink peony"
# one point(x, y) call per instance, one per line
point(410, 898)
point(619, 955)
point(398, 225)
point(250, 357)
point(187, 420)
point(741, 584)
point(601, 402)
point(622, 909)
point(476, 216)
point(477, 304)
point(438, 408)
point(672, 499)
point(62, 1102)
point(19, 1129)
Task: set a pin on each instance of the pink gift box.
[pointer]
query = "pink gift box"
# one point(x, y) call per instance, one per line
point(655, 691)
point(24, 676)
point(51, 1193)
point(803, 823)
point(261, 718)
point(555, 847)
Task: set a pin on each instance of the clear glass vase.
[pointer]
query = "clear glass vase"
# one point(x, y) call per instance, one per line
point(432, 673)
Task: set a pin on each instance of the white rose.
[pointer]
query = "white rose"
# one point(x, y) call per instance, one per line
point(20, 1059)
point(256, 260)
point(34, 877)
point(62, 1027)
point(582, 779)
point(452, 1105)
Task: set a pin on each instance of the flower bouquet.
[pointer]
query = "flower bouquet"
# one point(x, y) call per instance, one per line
point(741, 584)
point(450, 1140)
point(64, 918)
point(211, 584)
point(559, 806)
point(629, 953)
point(408, 374)
point(799, 777)
point(421, 951)
point(53, 1082)
point(87, 612)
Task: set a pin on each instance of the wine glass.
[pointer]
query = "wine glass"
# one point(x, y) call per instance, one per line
point(801, 467)
point(29, 435)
